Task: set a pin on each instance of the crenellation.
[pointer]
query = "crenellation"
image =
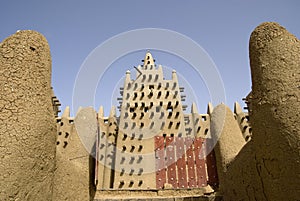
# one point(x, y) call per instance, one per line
point(151, 113)
point(243, 120)
point(55, 103)
point(151, 110)
point(64, 129)
point(71, 158)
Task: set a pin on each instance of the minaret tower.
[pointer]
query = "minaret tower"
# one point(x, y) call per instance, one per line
point(151, 106)
point(153, 144)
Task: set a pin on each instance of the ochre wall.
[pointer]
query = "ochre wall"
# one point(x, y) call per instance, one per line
point(267, 168)
point(74, 169)
point(27, 123)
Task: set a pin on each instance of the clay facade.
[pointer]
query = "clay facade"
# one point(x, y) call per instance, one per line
point(153, 144)
point(151, 112)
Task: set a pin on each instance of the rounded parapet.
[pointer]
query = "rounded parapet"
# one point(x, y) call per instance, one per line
point(267, 168)
point(225, 129)
point(28, 130)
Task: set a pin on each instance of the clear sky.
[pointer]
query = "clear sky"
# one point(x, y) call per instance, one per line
point(75, 28)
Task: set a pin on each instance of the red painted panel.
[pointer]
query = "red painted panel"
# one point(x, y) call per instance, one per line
point(179, 147)
point(181, 163)
point(160, 162)
point(170, 140)
point(170, 162)
point(192, 168)
point(192, 183)
point(211, 165)
point(159, 142)
point(200, 162)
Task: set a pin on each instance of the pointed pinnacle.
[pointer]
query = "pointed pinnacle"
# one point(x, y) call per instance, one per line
point(210, 108)
point(148, 59)
point(194, 109)
point(66, 113)
point(100, 112)
point(112, 111)
point(237, 108)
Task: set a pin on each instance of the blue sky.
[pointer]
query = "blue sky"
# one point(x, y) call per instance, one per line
point(75, 28)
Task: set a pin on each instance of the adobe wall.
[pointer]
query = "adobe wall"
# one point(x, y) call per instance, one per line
point(275, 68)
point(225, 129)
point(267, 168)
point(27, 123)
point(74, 171)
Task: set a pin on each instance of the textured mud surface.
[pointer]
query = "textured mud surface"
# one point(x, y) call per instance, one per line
point(267, 168)
point(230, 139)
point(27, 124)
point(73, 175)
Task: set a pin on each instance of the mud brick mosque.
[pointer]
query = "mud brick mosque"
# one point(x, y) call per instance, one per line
point(155, 149)
point(153, 144)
